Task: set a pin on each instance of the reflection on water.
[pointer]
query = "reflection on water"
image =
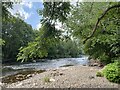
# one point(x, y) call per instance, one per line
point(48, 64)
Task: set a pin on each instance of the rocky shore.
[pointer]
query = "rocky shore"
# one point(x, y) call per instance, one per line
point(65, 77)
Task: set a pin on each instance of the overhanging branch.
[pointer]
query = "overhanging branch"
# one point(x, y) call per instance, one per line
point(95, 27)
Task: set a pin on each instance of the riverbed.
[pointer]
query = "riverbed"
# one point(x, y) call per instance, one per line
point(65, 77)
point(55, 73)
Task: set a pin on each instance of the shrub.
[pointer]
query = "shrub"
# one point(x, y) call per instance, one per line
point(111, 72)
point(99, 74)
point(46, 79)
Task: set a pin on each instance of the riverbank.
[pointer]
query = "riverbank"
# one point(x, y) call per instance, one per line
point(65, 77)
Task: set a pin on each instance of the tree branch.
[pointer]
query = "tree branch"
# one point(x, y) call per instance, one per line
point(95, 27)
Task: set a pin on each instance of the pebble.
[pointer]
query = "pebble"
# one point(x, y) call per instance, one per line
point(54, 70)
point(91, 77)
point(29, 75)
point(61, 73)
point(52, 80)
point(73, 77)
point(19, 84)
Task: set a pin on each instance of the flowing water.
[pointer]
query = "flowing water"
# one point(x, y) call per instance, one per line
point(47, 64)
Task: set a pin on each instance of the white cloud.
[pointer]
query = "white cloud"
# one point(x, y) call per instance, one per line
point(18, 8)
point(73, 2)
point(27, 4)
point(24, 14)
point(38, 26)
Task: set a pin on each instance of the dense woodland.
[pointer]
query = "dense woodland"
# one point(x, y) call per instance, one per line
point(92, 29)
point(21, 42)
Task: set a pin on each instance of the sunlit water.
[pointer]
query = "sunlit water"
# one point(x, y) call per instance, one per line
point(48, 64)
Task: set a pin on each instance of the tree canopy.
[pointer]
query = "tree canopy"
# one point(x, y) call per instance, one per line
point(50, 42)
point(15, 33)
point(97, 24)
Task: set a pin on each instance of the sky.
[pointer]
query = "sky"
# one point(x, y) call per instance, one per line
point(28, 11)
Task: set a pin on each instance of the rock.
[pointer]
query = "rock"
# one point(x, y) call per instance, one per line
point(61, 73)
point(34, 61)
point(2, 85)
point(54, 70)
point(19, 84)
point(52, 80)
point(100, 65)
point(29, 75)
point(91, 77)
point(95, 64)
point(67, 65)
point(19, 77)
point(54, 74)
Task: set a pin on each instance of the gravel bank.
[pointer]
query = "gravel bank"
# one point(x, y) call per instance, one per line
point(66, 77)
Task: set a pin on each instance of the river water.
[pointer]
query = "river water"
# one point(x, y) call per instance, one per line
point(47, 64)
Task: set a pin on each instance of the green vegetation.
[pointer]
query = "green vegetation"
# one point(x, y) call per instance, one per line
point(112, 72)
point(15, 32)
point(51, 43)
point(101, 37)
point(92, 28)
point(46, 79)
point(2, 42)
point(97, 26)
point(23, 43)
point(99, 74)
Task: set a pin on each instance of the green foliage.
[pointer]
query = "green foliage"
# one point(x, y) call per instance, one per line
point(31, 52)
point(16, 33)
point(55, 11)
point(104, 45)
point(99, 74)
point(46, 79)
point(2, 42)
point(38, 48)
point(5, 13)
point(65, 48)
point(47, 46)
point(111, 72)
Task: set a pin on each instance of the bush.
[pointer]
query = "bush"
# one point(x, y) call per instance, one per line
point(99, 74)
point(111, 72)
point(46, 79)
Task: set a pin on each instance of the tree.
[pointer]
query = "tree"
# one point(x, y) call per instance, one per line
point(49, 36)
point(15, 33)
point(104, 44)
point(54, 11)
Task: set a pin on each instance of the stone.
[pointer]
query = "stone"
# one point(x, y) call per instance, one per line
point(29, 75)
point(34, 61)
point(95, 64)
point(91, 77)
point(61, 73)
point(52, 80)
point(54, 70)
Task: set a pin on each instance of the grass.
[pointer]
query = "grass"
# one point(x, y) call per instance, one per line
point(46, 79)
point(99, 74)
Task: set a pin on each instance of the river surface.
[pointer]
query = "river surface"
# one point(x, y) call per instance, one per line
point(47, 64)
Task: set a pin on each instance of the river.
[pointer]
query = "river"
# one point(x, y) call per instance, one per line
point(47, 64)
